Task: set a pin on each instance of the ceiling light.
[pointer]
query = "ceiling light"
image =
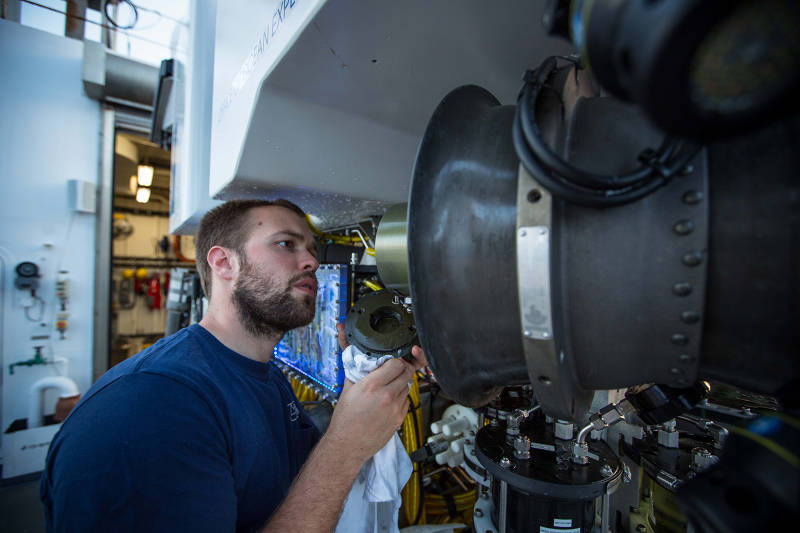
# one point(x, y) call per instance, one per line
point(145, 175)
point(133, 184)
point(143, 195)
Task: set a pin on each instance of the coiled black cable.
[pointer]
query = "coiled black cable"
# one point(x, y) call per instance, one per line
point(578, 186)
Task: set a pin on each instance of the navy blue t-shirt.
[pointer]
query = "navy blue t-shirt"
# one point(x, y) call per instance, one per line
point(185, 436)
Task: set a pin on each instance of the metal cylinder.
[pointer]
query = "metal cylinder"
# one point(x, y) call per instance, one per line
point(391, 248)
point(535, 512)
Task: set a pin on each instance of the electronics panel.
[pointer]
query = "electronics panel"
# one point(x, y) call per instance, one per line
point(313, 350)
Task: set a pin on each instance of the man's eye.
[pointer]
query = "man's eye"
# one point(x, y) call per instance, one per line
point(286, 244)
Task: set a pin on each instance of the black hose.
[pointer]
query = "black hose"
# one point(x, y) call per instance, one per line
point(578, 186)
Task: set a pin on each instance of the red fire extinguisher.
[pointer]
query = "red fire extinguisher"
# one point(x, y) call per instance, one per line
point(154, 293)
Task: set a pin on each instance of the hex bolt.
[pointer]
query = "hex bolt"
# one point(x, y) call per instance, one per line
point(683, 227)
point(505, 462)
point(522, 447)
point(478, 513)
point(686, 358)
point(688, 169)
point(606, 471)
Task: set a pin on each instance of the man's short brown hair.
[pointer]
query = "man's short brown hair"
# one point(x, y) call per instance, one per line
point(226, 226)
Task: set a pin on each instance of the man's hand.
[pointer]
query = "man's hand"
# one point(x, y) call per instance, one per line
point(370, 411)
point(342, 336)
point(416, 352)
point(366, 417)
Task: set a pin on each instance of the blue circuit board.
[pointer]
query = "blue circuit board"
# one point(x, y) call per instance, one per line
point(313, 350)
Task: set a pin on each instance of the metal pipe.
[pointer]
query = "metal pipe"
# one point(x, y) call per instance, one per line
point(584, 433)
point(361, 236)
point(102, 257)
point(502, 511)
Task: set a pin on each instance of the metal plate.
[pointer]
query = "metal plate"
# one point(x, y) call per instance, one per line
point(533, 271)
point(546, 472)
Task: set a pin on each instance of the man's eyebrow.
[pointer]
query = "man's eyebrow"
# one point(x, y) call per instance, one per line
point(290, 233)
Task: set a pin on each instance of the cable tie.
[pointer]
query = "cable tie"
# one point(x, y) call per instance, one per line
point(649, 157)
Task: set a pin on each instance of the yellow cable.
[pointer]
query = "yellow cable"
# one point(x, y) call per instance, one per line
point(411, 427)
point(771, 445)
point(372, 285)
point(337, 239)
point(303, 393)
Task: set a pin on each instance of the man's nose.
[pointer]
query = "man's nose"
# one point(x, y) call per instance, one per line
point(308, 262)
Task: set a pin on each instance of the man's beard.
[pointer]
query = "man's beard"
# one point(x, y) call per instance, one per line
point(266, 310)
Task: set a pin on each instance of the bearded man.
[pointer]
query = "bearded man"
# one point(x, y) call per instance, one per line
point(201, 431)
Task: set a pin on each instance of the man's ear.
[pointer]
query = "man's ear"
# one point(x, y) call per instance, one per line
point(223, 262)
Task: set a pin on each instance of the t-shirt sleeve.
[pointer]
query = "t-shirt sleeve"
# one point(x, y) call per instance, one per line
point(146, 453)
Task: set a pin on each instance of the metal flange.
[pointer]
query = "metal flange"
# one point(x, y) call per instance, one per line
point(379, 324)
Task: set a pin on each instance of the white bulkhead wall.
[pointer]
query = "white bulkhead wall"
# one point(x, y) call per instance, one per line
point(51, 134)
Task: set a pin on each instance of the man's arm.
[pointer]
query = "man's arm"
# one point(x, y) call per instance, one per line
point(366, 417)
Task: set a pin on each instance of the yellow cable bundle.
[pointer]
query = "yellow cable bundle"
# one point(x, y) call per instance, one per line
point(303, 393)
point(412, 427)
point(436, 506)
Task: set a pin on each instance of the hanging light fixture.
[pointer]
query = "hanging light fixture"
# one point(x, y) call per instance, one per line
point(145, 175)
point(143, 195)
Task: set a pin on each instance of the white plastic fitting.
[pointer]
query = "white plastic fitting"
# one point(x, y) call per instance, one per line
point(66, 387)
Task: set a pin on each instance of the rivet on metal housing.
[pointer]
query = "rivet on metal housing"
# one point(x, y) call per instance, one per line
point(683, 288)
point(679, 339)
point(690, 317)
point(683, 227)
point(692, 197)
point(692, 258)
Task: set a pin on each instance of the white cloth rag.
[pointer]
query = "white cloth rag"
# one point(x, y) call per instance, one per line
point(374, 500)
